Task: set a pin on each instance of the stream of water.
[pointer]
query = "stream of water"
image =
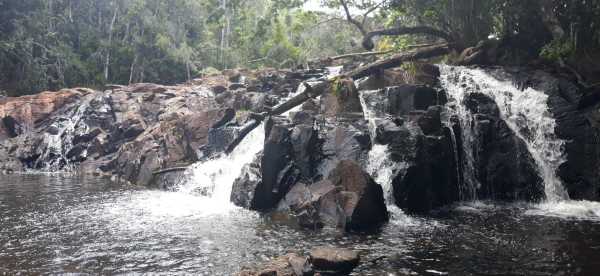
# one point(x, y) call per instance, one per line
point(53, 223)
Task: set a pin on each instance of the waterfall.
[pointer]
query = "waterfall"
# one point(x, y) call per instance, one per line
point(526, 113)
point(214, 178)
point(379, 163)
point(58, 138)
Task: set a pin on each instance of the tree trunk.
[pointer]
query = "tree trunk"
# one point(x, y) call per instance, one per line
point(110, 37)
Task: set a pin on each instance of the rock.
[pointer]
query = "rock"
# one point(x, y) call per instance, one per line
point(26, 111)
point(236, 86)
point(306, 145)
point(334, 260)
point(431, 123)
point(348, 199)
point(12, 127)
point(245, 186)
point(288, 265)
point(505, 168)
point(343, 141)
point(401, 100)
point(431, 179)
point(218, 89)
point(363, 202)
point(342, 97)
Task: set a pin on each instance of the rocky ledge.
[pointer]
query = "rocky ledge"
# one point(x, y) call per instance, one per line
point(319, 163)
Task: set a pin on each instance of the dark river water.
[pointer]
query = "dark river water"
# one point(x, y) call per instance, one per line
point(54, 224)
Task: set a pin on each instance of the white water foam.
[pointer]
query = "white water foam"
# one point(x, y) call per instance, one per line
point(382, 168)
point(214, 178)
point(526, 113)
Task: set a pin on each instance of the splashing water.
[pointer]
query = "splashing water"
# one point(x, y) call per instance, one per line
point(381, 166)
point(214, 178)
point(57, 145)
point(526, 113)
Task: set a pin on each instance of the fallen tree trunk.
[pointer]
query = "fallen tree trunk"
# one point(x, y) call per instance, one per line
point(344, 56)
point(316, 89)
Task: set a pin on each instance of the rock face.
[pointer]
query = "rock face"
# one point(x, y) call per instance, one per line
point(577, 114)
point(505, 168)
point(409, 123)
point(348, 199)
point(133, 131)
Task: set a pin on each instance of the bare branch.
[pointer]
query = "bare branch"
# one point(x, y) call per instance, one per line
point(368, 38)
point(372, 9)
point(355, 22)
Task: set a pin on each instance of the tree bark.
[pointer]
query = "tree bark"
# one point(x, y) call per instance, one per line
point(426, 30)
point(110, 37)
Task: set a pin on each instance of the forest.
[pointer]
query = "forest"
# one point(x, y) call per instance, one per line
point(52, 44)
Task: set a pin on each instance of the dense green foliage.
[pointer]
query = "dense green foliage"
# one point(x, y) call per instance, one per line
point(50, 44)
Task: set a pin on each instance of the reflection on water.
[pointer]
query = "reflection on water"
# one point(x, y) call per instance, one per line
point(54, 223)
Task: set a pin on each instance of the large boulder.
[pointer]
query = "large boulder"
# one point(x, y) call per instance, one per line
point(264, 182)
point(331, 260)
point(349, 199)
point(431, 178)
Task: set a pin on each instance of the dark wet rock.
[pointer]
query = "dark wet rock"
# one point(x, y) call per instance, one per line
point(334, 260)
point(577, 114)
point(245, 186)
point(302, 117)
point(12, 127)
point(402, 100)
point(276, 167)
point(236, 86)
point(306, 149)
point(348, 199)
point(430, 122)
point(505, 168)
point(431, 179)
point(343, 140)
point(311, 106)
point(218, 89)
point(168, 180)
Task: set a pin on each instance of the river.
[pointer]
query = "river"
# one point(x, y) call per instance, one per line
point(53, 223)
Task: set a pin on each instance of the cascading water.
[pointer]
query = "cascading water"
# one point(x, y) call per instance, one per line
point(214, 178)
point(526, 113)
point(58, 142)
point(381, 166)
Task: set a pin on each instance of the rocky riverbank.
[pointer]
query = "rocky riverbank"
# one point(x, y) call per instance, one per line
point(317, 162)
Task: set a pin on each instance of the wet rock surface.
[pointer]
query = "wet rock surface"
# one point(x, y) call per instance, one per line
point(133, 131)
point(577, 114)
point(348, 199)
point(320, 261)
